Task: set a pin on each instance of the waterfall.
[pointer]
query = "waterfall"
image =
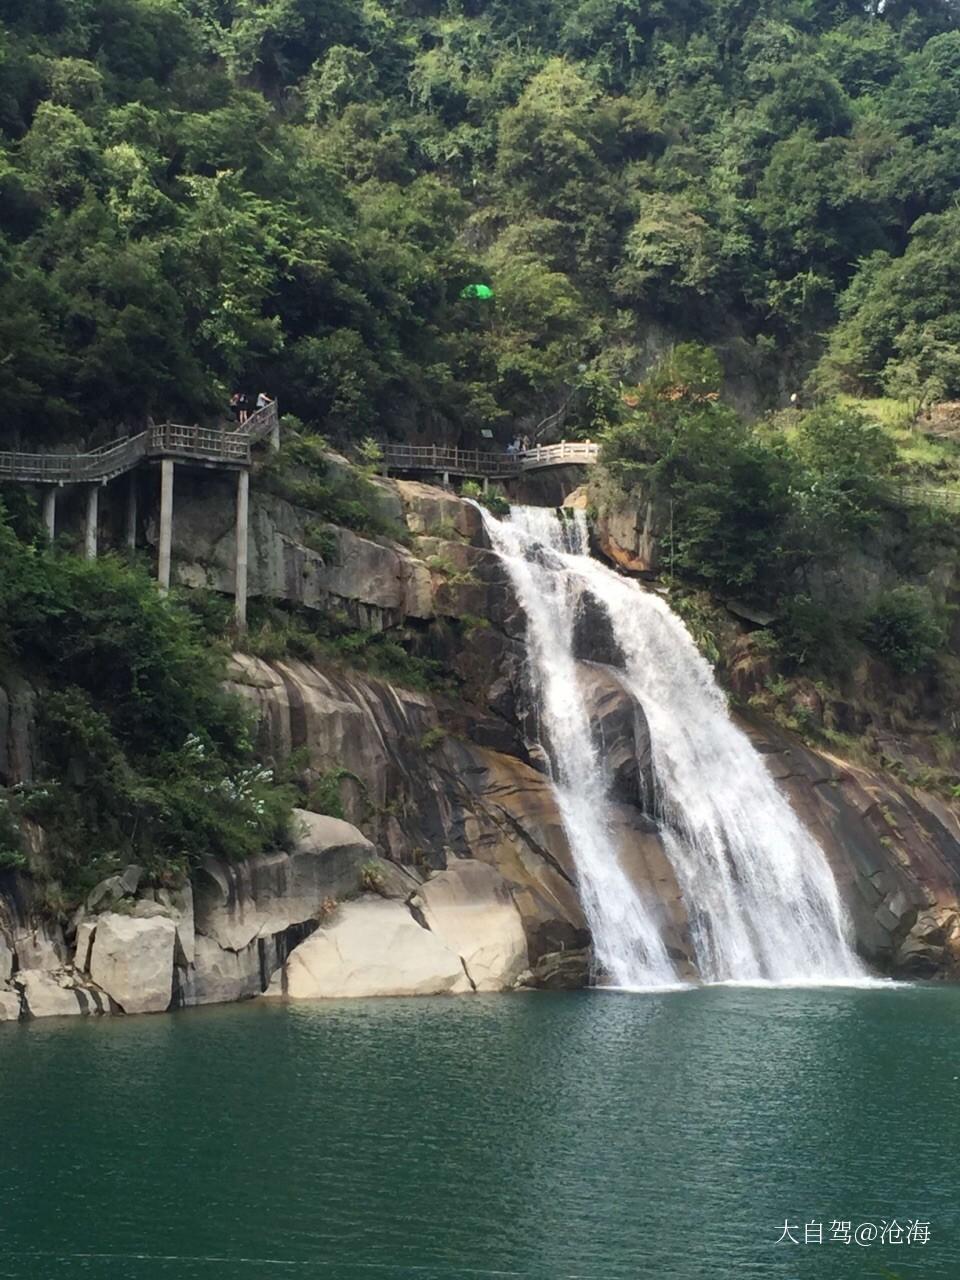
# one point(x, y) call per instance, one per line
point(536, 547)
point(760, 896)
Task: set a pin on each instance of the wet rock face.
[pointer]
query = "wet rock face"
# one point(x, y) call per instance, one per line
point(895, 854)
point(561, 970)
point(621, 734)
point(427, 796)
point(452, 817)
point(431, 794)
point(593, 639)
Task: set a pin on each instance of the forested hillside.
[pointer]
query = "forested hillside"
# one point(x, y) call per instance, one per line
point(199, 194)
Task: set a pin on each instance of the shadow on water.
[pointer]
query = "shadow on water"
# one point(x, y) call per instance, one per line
point(599, 1135)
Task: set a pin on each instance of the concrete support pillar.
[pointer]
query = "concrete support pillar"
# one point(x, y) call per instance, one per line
point(275, 435)
point(50, 511)
point(446, 479)
point(131, 527)
point(486, 483)
point(240, 565)
point(91, 522)
point(166, 524)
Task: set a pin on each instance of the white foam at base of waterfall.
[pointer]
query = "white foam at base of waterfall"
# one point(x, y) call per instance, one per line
point(760, 895)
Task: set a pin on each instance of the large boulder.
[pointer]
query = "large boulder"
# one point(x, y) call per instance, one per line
point(621, 733)
point(236, 903)
point(9, 1006)
point(470, 908)
point(132, 961)
point(46, 997)
point(6, 958)
point(372, 947)
point(222, 975)
point(931, 946)
point(250, 915)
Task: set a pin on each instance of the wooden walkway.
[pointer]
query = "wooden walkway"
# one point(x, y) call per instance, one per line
point(167, 445)
point(474, 463)
point(203, 445)
point(443, 460)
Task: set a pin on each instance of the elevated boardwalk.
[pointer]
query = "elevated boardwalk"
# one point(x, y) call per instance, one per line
point(475, 464)
point(203, 445)
point(167, 444)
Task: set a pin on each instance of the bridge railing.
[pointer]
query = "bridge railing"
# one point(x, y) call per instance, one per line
point(435, 457)
point(112, 459)
point(200, 442)
point(65, 468)
point(265, 422)
point(42, 468)
point(568, 452)
point(412, 457)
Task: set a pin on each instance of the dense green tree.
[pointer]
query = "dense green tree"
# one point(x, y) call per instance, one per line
point(750, 505)
point(201, 193)
point(900, 319)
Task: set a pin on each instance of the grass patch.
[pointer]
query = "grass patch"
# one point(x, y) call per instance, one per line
point(922, 458)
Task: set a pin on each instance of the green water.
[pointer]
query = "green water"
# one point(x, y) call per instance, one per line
point(590, 1135)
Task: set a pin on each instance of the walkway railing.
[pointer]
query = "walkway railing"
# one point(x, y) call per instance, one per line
point(475, 462)
point(170, 439)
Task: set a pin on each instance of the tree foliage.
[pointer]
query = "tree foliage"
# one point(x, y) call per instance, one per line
point(196, 194)
point(749, 505)
point(143, 755)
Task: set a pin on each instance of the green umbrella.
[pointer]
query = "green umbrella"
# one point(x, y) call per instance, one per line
point(476, 291)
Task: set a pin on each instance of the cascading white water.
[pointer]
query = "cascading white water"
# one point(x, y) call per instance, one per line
point(761, 897)
point(535, 546)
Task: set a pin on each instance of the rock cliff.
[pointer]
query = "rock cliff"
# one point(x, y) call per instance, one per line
point(450, 870)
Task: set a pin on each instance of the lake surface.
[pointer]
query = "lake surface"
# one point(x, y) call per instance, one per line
point(599, 1135)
